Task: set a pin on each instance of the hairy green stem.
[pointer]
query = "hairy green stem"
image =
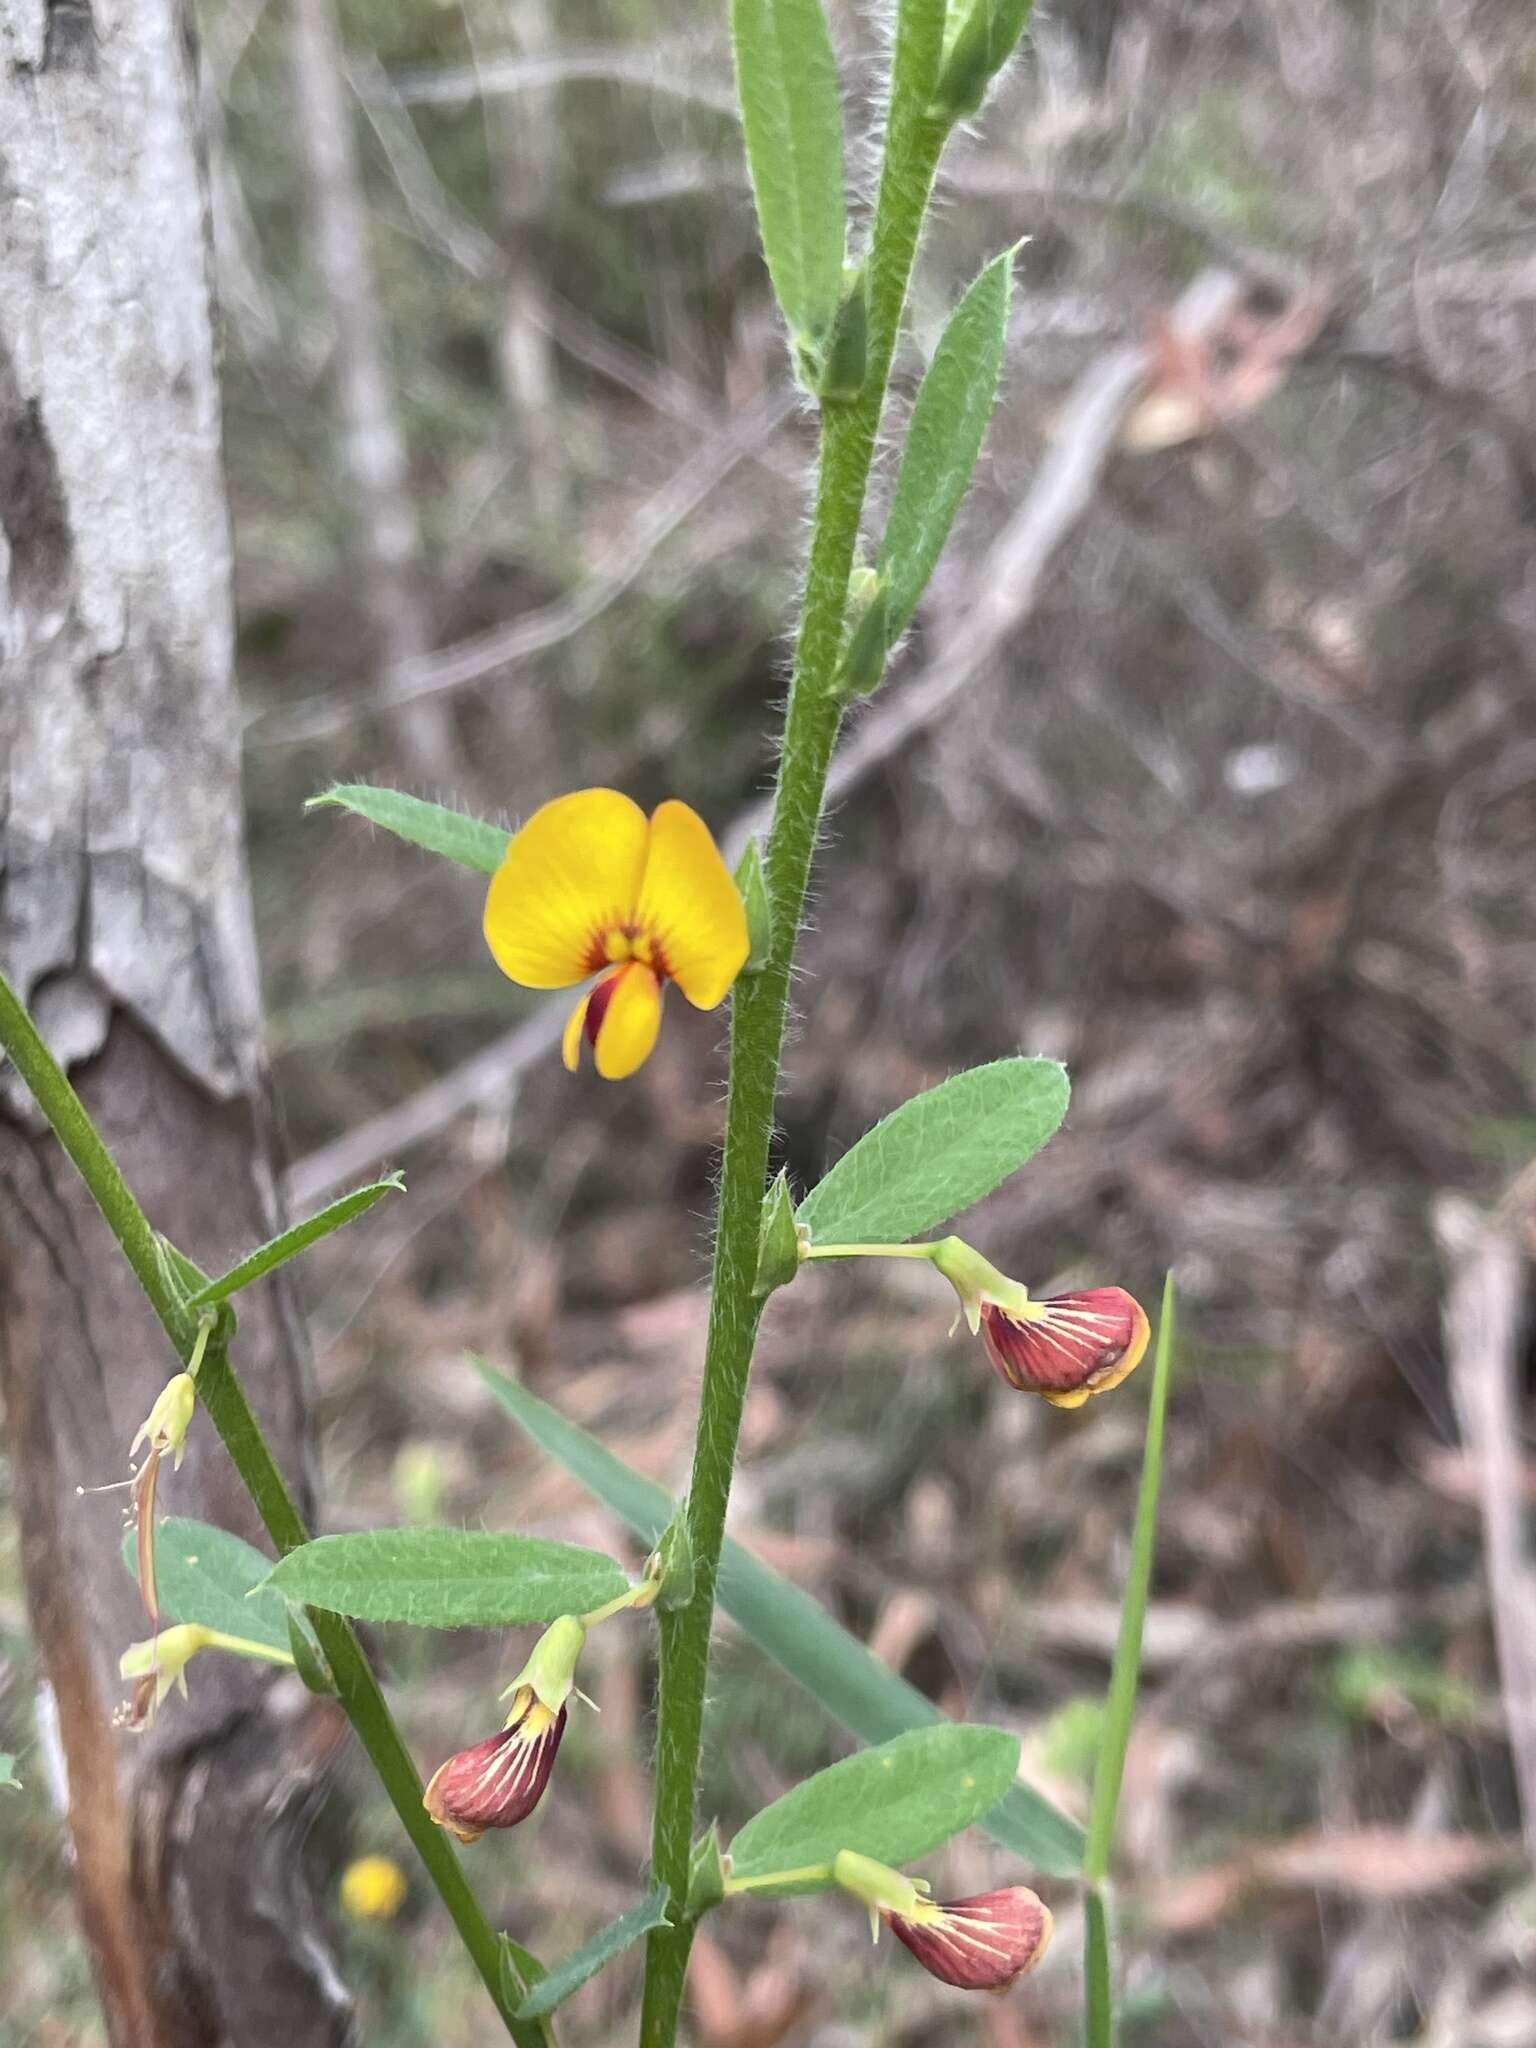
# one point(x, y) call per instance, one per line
point(760, 1005)
point(221, 1393)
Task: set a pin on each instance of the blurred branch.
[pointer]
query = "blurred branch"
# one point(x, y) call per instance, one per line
point(669, 68)
point(1483, 1317)
point(504, 646)
point(375, 457)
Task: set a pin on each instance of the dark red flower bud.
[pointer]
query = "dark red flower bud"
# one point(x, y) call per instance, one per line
point(979, 1944)
point(499, 1781)
point(1067, 1346)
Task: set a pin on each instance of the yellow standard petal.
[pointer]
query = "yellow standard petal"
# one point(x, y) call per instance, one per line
point(629, 1022)
point(690, 908)
point(570, 878)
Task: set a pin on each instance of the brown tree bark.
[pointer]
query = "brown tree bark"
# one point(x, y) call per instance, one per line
point(125, 922)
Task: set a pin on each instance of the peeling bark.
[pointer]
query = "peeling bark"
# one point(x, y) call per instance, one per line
point(125, 922)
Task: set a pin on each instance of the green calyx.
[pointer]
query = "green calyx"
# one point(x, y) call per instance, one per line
point(977, 1280)
point(550, 1673)
point(882, 1889)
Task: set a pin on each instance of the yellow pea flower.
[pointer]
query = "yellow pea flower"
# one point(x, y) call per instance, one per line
point(591, 886)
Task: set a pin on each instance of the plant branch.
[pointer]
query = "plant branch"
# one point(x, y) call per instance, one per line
point(848, 436)
point(221, 1393)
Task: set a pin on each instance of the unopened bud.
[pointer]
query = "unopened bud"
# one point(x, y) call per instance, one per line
point(978, 1944)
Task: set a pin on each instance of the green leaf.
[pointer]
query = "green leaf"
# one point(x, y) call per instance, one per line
point(793, 1629)
point(204, 1574)
point(277, 1251)
point(472, 842)
point(447, 1578)
point(944, 439)
point(938, 1153)
point(1124, 1678)
point(894, 1803)
point(792, 118)
point(9, 1781)
point(594, 1955)
point(980, 47)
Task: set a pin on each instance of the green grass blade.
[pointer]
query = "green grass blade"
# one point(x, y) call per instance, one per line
point(793, 1629)
point(1098, 1982)
point(1124, 1678)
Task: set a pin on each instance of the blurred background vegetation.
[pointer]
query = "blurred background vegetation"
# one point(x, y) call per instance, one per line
point(1234, 811)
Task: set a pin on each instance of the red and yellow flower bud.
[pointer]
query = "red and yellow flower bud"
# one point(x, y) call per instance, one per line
point(498, 1782)
point(1066, 1346)
point(980, 1944)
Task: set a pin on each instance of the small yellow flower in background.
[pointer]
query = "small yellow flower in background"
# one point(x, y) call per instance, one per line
point(372, 1888)
point(591, 886)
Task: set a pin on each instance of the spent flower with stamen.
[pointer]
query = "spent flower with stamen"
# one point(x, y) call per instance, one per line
point(160, 1662)
point(983, 1943)
point(498, 1782)
point(591, 886)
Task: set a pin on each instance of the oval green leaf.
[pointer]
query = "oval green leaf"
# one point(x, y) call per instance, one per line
point(472, 842)
point(938, 1153)
point(792, 118)
point(447, 1578)
point(204, 1574)
point(895, 1803)
point(949, 420)
point(796, 1631)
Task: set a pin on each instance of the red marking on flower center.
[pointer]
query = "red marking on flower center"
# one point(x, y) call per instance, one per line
point(598, 1001)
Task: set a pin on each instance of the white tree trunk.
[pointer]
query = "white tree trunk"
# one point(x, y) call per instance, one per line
point(125, 921)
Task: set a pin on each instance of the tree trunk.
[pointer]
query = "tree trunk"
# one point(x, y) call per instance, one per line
point(126, 924)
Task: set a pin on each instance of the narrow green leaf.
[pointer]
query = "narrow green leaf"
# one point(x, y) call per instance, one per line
point(944, 439)
point(792, 1628)
point(1125, 1677)
point(608, 1943)
point(9, 1781)
point(472, 842)
point(983, 42)
point(787, 80)
point(204, 1574)
point(938, 1153)
point(277, 1251)
point(894, 1802)
point(447, 1578)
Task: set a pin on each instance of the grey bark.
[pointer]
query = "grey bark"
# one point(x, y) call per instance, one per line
point(374, 455)
point(125, 921)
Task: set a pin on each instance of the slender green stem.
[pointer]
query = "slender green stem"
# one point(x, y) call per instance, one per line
point(805, 1873)
point(1099, 2027)
point(872, 1251)
point(848, 435)
point(222, 1395)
